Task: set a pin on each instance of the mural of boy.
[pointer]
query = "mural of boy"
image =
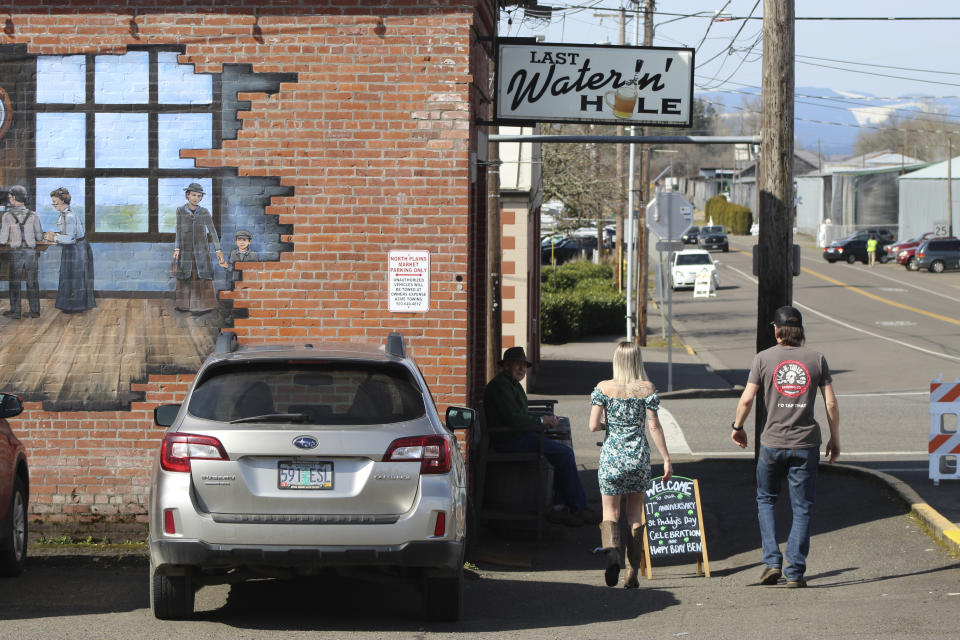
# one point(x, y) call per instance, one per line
point(191, 255)
point(241, 254)
point(20, 229)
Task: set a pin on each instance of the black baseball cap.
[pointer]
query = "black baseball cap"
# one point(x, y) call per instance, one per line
point(787, 317)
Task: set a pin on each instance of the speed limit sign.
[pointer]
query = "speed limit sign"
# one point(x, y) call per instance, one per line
point(941, 229)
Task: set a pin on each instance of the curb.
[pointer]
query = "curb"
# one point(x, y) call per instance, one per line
point(682, 394)
point(938, 527)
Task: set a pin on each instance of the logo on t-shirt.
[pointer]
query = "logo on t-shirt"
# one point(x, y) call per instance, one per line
point(791, 378)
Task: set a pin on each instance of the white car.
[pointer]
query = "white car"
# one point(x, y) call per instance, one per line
point(688, 264)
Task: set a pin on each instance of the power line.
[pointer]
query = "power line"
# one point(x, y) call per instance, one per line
point(881, 75)
point(882, 66)
point(834, 99)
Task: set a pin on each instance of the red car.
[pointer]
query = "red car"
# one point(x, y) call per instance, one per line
point(14, 491)
point(903, 251)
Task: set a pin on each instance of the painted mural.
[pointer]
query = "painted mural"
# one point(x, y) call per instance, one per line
point(115, 248)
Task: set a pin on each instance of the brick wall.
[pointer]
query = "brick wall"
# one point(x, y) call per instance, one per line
point(370, 147)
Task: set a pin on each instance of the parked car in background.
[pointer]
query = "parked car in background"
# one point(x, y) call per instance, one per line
point(939, 254)
point(691, 235)
point(313, 460)
point(714, 237)
point(904, 251)
point(883, 236)
point(559, 250)
point(853, 248)
point(14, 491)
point(688, 264)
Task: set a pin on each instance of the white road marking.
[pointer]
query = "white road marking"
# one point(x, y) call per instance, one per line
point(915, 286)
point(859, 330)
point(883, 394)
point(676, 442)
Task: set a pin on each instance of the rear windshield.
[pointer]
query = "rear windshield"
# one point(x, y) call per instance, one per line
point(695, 258)
point(334, 393)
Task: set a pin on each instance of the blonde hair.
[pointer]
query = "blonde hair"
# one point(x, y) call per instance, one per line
point(627, 363)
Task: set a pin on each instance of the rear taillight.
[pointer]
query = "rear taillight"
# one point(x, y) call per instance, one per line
point(920, 255)
point(433, 453)
point(178, 449)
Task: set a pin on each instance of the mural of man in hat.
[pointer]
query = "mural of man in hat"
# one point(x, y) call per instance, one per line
point(191, 254)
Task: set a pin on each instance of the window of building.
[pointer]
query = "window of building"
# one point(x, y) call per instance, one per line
point(110, 128)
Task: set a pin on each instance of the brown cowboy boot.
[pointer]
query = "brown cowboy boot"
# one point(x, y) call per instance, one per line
point(610, 544)
point(634, 558)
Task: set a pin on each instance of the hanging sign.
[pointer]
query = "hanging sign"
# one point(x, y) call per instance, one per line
point(409, 281)
point(550, 82)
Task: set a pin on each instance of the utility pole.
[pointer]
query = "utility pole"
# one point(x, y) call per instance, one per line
point(949, 185)
point(642, 244)
point(621, 200)
point(775, 250)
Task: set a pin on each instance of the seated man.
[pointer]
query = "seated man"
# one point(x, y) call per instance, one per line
point(505, 405)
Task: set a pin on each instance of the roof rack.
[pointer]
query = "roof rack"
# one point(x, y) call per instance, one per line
point(226, 342)
point(395, 346)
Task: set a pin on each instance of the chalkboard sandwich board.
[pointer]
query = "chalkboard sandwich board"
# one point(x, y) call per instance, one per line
point(673, 522)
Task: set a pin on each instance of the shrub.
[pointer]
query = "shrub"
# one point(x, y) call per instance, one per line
point(583, 301)
point(736, 218)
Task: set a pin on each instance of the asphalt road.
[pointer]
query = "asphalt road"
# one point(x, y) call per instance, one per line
point(874, 572)
point(886, 332)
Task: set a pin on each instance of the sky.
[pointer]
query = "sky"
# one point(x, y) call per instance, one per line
point(848, 56)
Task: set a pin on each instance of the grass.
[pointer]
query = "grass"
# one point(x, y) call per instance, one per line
point(64, 541)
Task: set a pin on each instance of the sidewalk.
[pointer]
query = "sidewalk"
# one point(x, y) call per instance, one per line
point(569, 372)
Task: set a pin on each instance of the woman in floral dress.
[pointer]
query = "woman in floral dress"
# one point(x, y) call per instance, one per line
point(630, 404)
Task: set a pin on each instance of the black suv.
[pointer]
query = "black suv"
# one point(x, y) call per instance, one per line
point(713, 237)
point(854, 247)
point(938, 255)
point(691, 235)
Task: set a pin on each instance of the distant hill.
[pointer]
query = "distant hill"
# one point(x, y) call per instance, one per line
point(834, 118)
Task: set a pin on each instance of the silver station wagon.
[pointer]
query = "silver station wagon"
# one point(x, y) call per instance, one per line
point(307, 461)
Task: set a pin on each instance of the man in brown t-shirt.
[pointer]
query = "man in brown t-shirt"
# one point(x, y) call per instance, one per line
point(790, 375)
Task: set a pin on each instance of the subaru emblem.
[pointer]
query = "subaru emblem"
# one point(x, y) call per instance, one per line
point(305, 442)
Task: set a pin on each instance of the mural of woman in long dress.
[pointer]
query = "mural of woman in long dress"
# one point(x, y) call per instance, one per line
point(75, 291)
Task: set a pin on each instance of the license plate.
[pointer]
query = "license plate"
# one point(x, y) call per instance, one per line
point(304, 475)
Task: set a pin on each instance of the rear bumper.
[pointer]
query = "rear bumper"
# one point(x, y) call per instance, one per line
point(196, 553)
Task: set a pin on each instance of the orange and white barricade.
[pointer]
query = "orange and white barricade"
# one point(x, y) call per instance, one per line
point(944, 446)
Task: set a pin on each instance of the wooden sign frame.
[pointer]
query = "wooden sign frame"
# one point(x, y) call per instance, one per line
point(703, 561)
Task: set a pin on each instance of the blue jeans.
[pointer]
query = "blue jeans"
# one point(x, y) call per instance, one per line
point(566, 479)
point(799, 468)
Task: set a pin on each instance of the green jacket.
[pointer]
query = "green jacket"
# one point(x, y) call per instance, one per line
point(505, 405)
point(872, 244)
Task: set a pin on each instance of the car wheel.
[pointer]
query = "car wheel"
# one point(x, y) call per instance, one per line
point(443, 597)
point(851, 258)
point(13, 544)
point(937, 266)
point(171, 597)
point(912, 264)
point(726, 249)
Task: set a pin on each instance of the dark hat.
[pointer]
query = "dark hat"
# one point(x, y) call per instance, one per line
point(243, 233)
point(515, 354)
point(194, 186)
point(787, 317)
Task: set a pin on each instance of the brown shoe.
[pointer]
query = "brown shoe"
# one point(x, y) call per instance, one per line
point(634, 557)
point(770, 575)
point(610, 543)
